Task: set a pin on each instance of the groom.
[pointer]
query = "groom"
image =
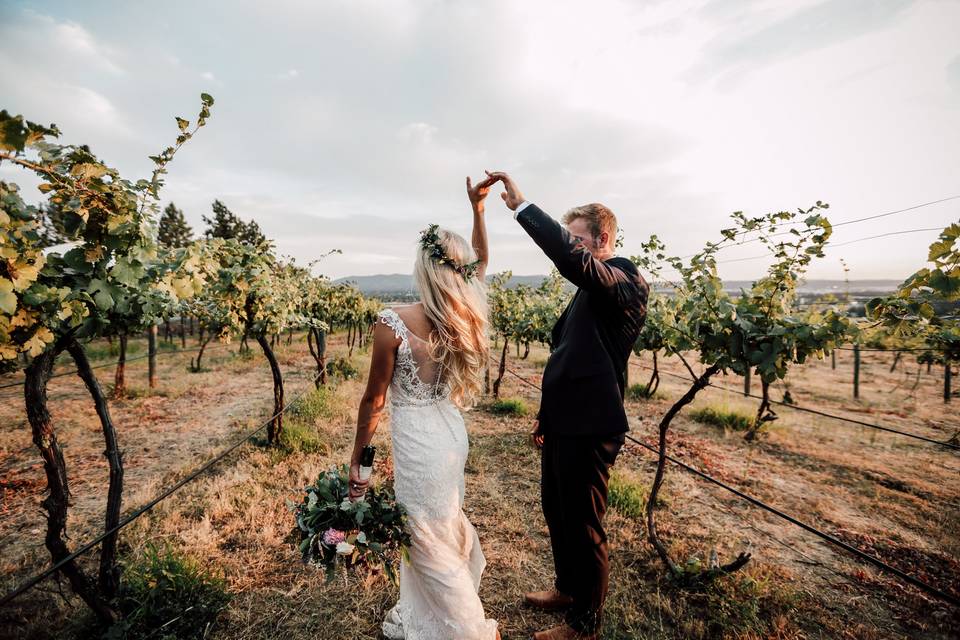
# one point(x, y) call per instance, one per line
point(581, 421)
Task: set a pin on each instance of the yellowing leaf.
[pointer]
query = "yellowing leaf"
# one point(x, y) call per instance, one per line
point(8, 299)
point(38, 341)
point(183, 287)
point(23, 318)
point(88, 170)
point(24, 274)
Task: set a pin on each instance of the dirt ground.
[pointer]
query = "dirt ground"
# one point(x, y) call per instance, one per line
point(891, 496)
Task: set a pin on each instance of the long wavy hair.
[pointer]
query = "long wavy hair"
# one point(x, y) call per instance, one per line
point(457, 307)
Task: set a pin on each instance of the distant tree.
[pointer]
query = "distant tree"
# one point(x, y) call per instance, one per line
point(225, 224)
point(250, 233)
point(174, 232)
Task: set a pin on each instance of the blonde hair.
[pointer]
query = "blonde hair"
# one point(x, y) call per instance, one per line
point(457, 307)
point(599, 219)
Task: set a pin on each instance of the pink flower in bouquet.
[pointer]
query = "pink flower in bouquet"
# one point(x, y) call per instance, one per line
point(332, 537)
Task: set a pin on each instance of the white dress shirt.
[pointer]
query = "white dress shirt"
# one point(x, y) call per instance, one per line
point(523, 205)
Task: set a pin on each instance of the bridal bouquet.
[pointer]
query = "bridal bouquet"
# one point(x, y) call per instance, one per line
point(332, 530)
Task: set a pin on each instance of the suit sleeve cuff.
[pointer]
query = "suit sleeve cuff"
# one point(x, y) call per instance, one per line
point(523, 205)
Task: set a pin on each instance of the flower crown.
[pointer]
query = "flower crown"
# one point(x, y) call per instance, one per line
point(430, 240)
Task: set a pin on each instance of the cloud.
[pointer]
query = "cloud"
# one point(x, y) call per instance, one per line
point(352, 125)
point(753, 39)
point(77, 41)
point(66, 45)
point(417, 132)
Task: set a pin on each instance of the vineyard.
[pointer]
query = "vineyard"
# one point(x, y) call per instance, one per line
point(792, 469)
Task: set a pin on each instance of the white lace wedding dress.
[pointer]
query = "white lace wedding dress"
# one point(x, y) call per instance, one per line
point(438, 587)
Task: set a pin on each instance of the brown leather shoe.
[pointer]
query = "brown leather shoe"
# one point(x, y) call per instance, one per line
point(563, 632)
point(551, 600)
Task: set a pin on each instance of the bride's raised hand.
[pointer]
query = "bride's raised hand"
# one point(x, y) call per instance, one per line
point(478, 193)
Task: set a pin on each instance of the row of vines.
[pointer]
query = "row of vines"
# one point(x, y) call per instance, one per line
point(114, 280)
point(763, 331)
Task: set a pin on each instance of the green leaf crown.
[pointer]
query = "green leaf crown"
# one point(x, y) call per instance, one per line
point(430, 241)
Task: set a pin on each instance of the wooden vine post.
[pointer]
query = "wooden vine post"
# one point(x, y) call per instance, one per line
point(152, 355)
point(856, 371)
point(946, 380)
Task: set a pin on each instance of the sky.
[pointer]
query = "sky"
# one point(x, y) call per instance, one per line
point(351, 124)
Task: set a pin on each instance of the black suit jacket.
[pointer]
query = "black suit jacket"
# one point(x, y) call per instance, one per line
point(584, 379)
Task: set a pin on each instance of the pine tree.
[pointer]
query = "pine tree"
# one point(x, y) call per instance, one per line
point(225, 224)
point(173, 228)
point(251, 233)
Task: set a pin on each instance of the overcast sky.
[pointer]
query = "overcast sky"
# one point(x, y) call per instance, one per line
point(352, 124)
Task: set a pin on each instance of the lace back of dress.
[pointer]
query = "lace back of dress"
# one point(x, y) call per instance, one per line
point(417, 378)
point(428, 371)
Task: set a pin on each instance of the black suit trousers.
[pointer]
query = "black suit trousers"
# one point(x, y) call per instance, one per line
point(573, 488)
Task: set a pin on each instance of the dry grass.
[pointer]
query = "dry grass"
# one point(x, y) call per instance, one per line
point(895, 497)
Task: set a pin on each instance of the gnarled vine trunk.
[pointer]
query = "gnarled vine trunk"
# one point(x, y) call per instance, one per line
point(764, 412)
point(58, 498)
point(896, 361)
point(317, 342)
point(120, 375)
point(195, 366)
point(276, 422)
point(654, 383)
point(502, 370)
point(109, 577)
point(702, 381)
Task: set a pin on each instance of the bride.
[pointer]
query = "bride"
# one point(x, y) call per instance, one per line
point(431, 356)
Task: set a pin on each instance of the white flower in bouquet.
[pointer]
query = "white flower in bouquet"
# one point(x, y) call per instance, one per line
point(344, 548)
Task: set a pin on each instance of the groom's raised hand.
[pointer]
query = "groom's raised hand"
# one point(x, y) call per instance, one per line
point(512, 196)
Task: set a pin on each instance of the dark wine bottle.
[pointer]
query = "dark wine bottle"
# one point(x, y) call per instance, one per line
point(366, 461)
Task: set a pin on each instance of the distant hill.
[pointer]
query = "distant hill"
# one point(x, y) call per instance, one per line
point(401, 285)
point(398, 282)
point(829, 286)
